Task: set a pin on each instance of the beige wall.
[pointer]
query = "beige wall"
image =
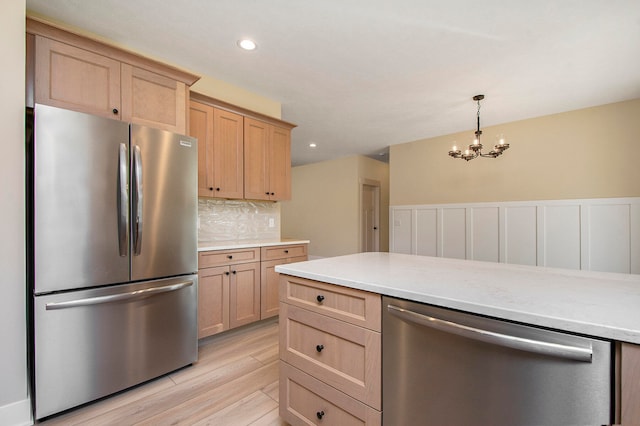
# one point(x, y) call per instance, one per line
point(237, 96)
point(324, 206)
point(14, 407)
point(588, 153)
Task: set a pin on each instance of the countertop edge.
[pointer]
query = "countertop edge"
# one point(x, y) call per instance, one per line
point(230, 245)
point(591, 329)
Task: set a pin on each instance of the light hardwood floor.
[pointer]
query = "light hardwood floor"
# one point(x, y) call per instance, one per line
point(234, 382)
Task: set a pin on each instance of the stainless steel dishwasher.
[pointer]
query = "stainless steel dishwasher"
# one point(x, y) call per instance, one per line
point(443, 367)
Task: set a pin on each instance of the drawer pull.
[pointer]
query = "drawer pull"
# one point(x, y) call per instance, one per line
point(319, 348)
point(320, 415)
point(320, 298)
point(229, 257)
point(286, 251)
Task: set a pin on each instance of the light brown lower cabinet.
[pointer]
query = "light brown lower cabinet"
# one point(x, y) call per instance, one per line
point(244, 294)
point(228, 297)
point(330, 354)
point(629, 384)
point(228, 289)
point(305, 400)
point(213, 300)
point(236, 288)
point(270, 258)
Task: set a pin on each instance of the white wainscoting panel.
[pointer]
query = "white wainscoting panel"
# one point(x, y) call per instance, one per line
point(485, 233)
point(600, 234)
point(454, 234)
point(427, 232)
point(609, 238)
point(520, 235)
point(560, 237)
point(401, 230)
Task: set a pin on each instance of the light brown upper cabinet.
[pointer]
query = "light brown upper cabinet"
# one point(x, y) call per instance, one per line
point(70, 71)
point(72, 78)
point(220, 150)
point(241, 153)
point(267, 160)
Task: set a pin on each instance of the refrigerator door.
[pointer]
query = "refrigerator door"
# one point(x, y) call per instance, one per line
point(81, 200)
point(91, 343)
point(164, 205)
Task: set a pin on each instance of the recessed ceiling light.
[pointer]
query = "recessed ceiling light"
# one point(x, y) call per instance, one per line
point(312, 145)
point(247, 44)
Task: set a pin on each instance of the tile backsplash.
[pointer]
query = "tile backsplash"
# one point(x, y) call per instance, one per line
point(235, 220)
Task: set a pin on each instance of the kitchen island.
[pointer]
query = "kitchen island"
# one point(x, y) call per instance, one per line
point(583, 303)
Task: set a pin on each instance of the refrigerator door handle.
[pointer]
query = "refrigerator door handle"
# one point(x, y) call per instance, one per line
point(548, 348)
point(137, 234)
point(123, 201)
point(117, 297)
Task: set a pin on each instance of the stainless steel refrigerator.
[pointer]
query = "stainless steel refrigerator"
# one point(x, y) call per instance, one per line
point(112, 255)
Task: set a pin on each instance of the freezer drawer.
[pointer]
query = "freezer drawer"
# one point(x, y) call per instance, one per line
point(92, 343)
point(443, 367)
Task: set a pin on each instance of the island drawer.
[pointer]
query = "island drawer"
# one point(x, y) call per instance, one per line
point(350, 305)
point(210, 259)
point(283, 252)
point(342, 355)
point(305, 400)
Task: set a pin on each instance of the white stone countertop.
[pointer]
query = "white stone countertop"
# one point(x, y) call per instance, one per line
point(598, 304)
point(228, 245)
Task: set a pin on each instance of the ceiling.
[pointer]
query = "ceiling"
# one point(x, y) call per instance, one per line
point(359, 75)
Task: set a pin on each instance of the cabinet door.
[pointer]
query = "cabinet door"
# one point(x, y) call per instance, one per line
point(228, 154)
point(244, 294)
point(630, 388)
point(76, 79)
point(201, 127)
point(270, 285)
point(256, 140)
point(213, 300)
point(279, 164)
point(153, 100)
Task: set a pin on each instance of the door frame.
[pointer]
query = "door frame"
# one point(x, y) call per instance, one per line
point(376, 200)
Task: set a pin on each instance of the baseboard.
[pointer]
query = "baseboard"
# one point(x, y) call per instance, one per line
point(16, 414)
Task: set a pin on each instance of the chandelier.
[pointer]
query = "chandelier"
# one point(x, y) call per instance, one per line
point(475, 148)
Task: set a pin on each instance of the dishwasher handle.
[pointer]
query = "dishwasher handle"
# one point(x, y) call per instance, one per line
point(132, 295)
point(558, 350)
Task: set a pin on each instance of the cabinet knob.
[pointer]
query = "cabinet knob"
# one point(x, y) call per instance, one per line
point(273, 193)
point(375, 227)
point(211, 188)
point(115, 111)
point(226, 273)
point(230, 256)
point(233, 272)
point(320, 298)
point(266, 193)
point(320, 415)
point(319, 348)
point(286, 251)
point(217, 189)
